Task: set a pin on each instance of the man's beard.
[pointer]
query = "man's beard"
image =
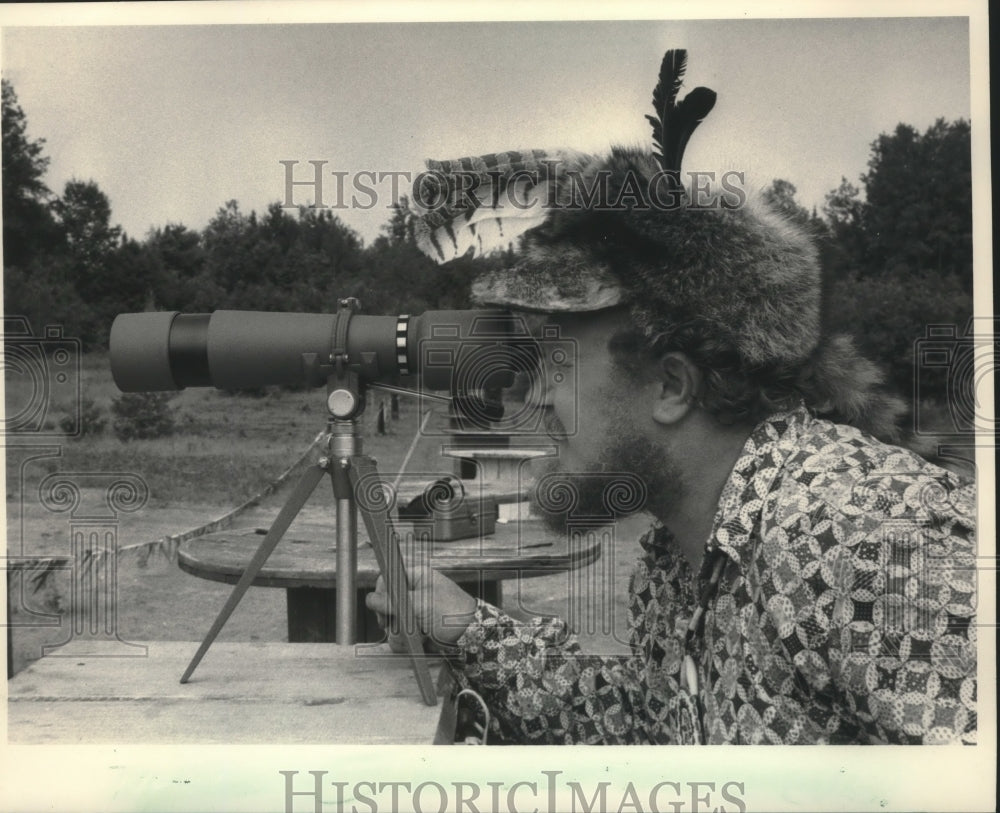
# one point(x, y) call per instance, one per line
point(628, 475)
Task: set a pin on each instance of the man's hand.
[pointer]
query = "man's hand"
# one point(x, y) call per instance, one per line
point(443, 610)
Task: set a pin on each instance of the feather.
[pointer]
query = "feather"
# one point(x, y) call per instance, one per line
point(690, 113)
point(492, 225)
point(674, 123)
point(483, 204)
point(490, 232)
point(664, 95)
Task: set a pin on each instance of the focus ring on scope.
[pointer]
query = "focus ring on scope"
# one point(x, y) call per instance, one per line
point(402, 358)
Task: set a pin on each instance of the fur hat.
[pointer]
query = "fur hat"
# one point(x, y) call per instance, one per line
point(603, 231)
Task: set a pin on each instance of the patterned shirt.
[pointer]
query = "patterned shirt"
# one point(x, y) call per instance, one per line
point(845, 613)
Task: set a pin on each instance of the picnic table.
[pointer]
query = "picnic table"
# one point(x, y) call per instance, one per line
point(305, 564)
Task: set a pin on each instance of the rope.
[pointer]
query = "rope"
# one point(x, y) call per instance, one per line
point(42, 568)
point(409, 452)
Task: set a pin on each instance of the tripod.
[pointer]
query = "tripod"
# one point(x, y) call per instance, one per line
point(356, 484)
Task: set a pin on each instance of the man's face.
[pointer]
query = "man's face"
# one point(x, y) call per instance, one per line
point(615, 433)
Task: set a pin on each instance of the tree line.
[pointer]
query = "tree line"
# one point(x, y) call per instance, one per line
point(895, 248)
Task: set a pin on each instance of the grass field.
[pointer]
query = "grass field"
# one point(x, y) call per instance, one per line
point(225, 446)
point(225, 449)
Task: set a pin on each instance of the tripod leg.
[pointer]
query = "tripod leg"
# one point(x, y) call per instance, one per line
point(303, 489)
point(373, 509)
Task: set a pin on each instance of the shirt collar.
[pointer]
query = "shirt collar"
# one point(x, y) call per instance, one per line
point(751, 480)
point(748, 484)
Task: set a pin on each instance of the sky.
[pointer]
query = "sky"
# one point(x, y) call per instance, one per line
point(173, 121)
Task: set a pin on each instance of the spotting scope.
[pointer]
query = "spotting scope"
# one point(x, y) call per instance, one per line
point(454, 350)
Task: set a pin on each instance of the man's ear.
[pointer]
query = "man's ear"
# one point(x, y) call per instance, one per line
point(680, 386)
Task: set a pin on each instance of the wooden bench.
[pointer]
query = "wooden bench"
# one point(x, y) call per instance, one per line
point(87, 692)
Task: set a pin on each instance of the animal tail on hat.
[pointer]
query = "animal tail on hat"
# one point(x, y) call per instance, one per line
point(844, 386)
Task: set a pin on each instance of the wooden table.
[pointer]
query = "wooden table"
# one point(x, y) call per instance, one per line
point(305, 564)
point(242, 693)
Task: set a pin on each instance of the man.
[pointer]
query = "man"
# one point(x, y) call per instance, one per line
point(804, 582)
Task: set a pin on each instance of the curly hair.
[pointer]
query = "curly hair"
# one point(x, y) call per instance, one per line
point(834, 381)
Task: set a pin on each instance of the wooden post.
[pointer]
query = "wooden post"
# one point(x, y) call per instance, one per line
point(10, 628)
point(380, 423)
